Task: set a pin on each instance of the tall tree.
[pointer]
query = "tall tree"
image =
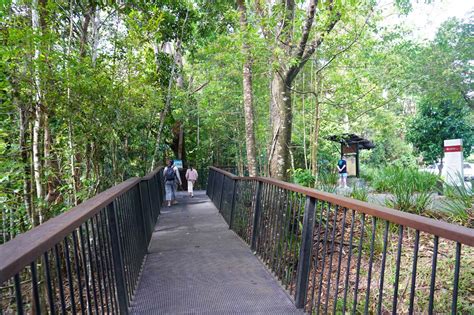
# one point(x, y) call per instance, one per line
point(292, 52)
point(248, 92)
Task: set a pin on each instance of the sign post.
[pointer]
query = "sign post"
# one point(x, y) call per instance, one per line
point(453, 171)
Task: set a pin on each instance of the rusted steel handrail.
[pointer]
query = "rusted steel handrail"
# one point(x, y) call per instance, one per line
point(26, 247)
point(435, 227)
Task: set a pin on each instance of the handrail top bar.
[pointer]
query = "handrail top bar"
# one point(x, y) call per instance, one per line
point(26, 247)
point(439, 228)
point(152, 173)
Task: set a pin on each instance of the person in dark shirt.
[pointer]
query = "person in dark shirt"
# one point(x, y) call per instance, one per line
point(342, 169)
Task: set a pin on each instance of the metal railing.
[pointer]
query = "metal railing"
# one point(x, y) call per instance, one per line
point(87, 260)
point(335, 254)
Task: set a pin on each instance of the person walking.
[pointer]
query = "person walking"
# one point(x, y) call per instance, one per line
point(191, 177)
point(171, 176)
point(342, 169)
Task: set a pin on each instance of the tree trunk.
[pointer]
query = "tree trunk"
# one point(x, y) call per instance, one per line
point(317, 124)
point(248, 94)
point(278, 156)
point(37, 217)
point(95, 35)
point(24, 158)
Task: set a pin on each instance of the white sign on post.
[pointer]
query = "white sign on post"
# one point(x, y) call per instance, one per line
point(453, 171)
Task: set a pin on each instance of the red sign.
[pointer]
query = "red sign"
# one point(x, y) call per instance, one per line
point(453, 148)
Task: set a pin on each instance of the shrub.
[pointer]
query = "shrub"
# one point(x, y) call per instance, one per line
point(360, 193)
point(405, 198)
point(303, 177)
point(459, 203)
point(389, 178)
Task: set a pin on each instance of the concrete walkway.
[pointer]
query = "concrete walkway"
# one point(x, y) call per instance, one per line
point(196, 265)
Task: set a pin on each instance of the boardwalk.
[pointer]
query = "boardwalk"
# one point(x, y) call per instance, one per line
point(196, 265)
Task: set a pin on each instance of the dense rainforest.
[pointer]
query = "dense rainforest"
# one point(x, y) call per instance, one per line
point(94, 92)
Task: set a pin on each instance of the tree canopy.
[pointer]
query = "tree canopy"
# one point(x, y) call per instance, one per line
point(92, 93)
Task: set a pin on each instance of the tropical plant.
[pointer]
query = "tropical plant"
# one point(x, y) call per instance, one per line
point(360, 192)
point(459, 202)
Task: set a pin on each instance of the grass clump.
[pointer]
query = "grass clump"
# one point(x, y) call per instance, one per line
point(360, 193)
point(389, 178)
point(459, 203)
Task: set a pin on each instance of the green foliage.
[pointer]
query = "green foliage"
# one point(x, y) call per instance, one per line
point(390, 178)
point(459, 203)
point(303, 177)
point(360, 193)
point(436, 122)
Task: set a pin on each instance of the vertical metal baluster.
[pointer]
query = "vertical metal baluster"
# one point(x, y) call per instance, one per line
point(91, 264)
point(292, 216)
point(323, 262)
point(276, 226)
point(331, 255)
point(282, 262)
point(102, 263)
point(299, 215)
point(86, 272)
point(221, 197)
point(274, 229)
point(359, 256)
point(256, 216)
point(413, 272)
point(128, 246)
point(268, 226)
point(232, 205)
point(371, 260)
point(397, 270)
point(78, 271)
point(69, 275)
point(339, 261)
point(286, 264)
point(18, 297)
point(123, 236)
point(49, 286)
point(108, 261)
point(348, 269)
point(60, 279)
point(97, 262)
point(264, 224)
point(457, 266)
point(320, 205)
point(117, 259)
point(382, 268)
point(304, 266)
point(34, 284)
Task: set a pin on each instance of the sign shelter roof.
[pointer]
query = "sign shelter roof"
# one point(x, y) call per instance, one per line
point(349, 139)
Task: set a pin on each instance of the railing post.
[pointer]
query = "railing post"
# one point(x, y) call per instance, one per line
point(256, 215)
point(234, 187)
point(302, 275)
point(117, 259)
point(209, 183)
point(222, 192)
point(144, 210)
point(214, 180)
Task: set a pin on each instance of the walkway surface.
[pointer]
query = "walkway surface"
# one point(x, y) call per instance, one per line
point(196, 265)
